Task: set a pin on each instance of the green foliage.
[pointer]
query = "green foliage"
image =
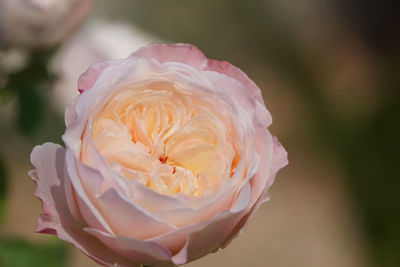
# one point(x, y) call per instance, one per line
point(30, 110)
point(28, 85)
point(30, 103)
point(20, 253)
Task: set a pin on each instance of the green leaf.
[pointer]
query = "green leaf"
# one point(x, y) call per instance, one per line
point(30, 84)
point(30, 112)
point(21, 253)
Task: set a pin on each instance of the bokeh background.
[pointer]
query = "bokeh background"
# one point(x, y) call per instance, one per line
point(329, 71)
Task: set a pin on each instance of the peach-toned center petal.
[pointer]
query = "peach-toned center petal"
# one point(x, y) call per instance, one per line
point(171, 141)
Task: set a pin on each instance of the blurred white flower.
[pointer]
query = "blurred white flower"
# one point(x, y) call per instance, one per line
point(96, 41)
point(40, 23)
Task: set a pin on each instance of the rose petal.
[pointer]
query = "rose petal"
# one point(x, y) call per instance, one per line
point(138, 193)
point(46, 175)
point(207, 207)
point(183, 53)
point(279, 160)
point(208, 239)
point(48, 160)
point(136, 251)
point(87, 209)
point(236, 94)
point(117, 75)
point(191, 55)
point(264, 145)
point(184, 217)
point(127, 219)
point(177, 241)
point(89, 77)
point(229, 70)
point(72, 203)
point(112, 210)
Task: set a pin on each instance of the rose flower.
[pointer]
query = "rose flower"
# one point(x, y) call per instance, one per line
point(40, 23)
point(167, 155)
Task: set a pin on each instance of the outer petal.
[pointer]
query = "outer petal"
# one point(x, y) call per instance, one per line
point(279, 160)
point(89, 212)
point(191, 55)
point(48, 160)
point(136, 251)
point(45, 176)
point(128, 219)
point(192, 242)
point(232, 71)
point(264, 146)
point(182, 53)
point(89, 77)
point(209, 238)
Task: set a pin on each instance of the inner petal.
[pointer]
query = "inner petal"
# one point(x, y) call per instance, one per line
point(171, 141)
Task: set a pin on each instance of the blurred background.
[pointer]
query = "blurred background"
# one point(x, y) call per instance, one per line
point(329, 71)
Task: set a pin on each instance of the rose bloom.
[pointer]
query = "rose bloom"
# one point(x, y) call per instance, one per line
point(167, 155)
point(40, 23)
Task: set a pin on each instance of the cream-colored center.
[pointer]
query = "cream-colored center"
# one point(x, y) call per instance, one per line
point(170, 141)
